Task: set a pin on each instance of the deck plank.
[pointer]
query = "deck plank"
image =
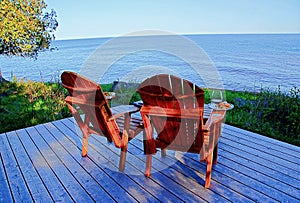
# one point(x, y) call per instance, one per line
point(275, 144)
point(263, 154)
point(87, 182)
point(15, 177)
point(34, 183)
point(44, 163)
point(110, 151)
point(138, 176)
point(192, 179)
point(198, 169)
point(226, 145)
point(89, 163)
point(252, 185)
point(258, 181)
point(164, 182)
point(286, 166)
point(5, 194)
point(263, 169)
point(265, 147)
point(51, 180)
point(76, 191)
point(108, 160)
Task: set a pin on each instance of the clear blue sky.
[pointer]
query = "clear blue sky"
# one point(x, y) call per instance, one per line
point(105, 18)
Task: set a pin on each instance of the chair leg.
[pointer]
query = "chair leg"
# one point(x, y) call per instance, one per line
point(208, 170)
point(215, 156)
point(85, 144)
point(203, 154)
point(122, 158)
point(163, 153)
point(148, 165)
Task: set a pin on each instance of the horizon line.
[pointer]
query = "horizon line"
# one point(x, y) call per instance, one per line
point(187, 34)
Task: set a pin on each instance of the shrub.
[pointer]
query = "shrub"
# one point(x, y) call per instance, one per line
point(271, 113)
point(29, 103)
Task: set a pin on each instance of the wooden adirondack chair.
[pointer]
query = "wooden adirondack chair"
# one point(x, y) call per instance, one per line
point(174, 107)
point(87, 98)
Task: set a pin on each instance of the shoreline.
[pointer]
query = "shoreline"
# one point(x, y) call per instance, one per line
point(257, 89)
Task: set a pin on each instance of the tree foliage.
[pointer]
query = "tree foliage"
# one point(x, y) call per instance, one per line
point(25, 27)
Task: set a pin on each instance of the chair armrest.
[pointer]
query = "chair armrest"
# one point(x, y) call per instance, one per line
point(215, 117)
point(121, 110)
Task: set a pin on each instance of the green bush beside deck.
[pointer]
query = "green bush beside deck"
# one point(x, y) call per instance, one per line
point(275, 114)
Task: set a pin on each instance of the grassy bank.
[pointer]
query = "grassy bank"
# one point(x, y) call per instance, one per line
point(29, 103)
point(271, 113)
point(275, 114)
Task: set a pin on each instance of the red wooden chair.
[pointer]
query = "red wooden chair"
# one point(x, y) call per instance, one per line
point(174, 107)
point(91, 110)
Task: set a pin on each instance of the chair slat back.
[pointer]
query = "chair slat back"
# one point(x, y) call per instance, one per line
point(176, 99)
point(93, 103)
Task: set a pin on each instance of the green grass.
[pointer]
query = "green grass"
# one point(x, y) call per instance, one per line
point(271, 113)
point(24, 104)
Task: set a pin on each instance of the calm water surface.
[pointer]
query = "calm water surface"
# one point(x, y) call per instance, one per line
point(243, 61)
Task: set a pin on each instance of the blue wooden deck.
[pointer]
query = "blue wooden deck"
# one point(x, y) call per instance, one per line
point(44, 164)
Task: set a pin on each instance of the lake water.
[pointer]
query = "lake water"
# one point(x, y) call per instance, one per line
point(244, 62)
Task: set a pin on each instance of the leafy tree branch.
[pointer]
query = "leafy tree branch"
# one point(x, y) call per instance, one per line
point(25, 27)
